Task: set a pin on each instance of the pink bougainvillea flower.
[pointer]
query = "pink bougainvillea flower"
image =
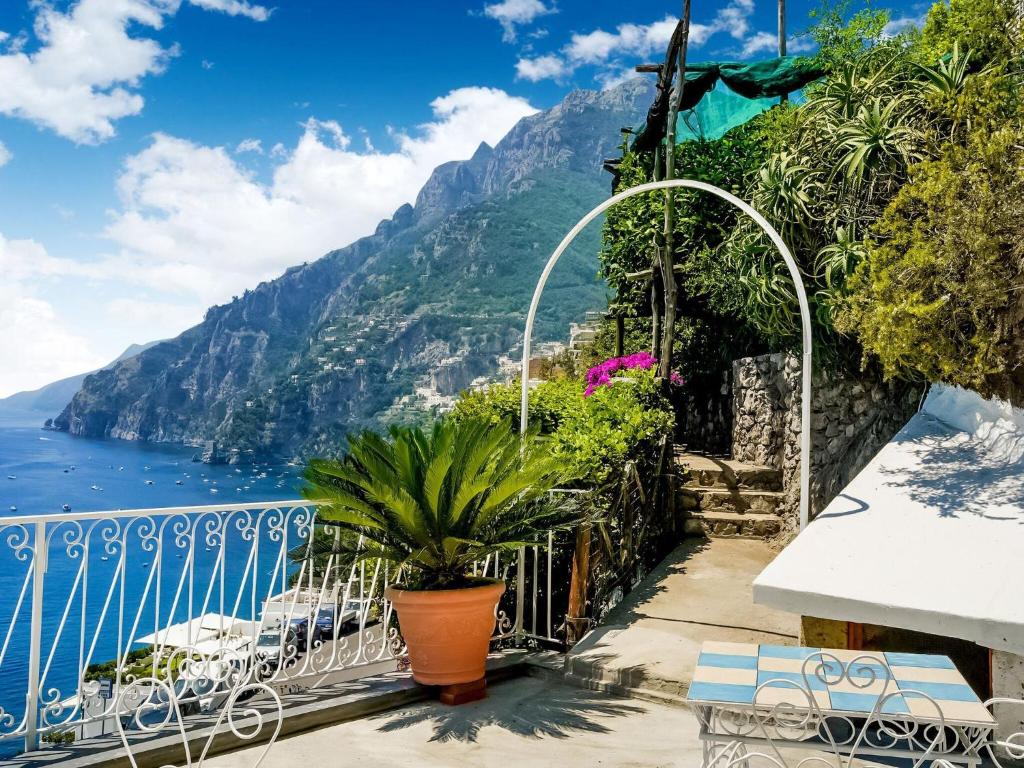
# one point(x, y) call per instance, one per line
point(601, 374)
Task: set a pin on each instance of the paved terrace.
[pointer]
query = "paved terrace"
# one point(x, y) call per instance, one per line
point(620, 706)
point(524, 722)
point(648, 645)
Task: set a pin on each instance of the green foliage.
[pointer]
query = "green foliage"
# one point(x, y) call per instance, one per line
point(435, 503)
point(596, 436)
point(709, 296)
point(986, 28)
point(620, 423)
point(842, 36)
point(137, 662)
point(935, 289)
point(896, 184)
point(61, 738)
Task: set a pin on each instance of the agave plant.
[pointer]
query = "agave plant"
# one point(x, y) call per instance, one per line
point(881, 138)
point(947, 78)
point(436, 502)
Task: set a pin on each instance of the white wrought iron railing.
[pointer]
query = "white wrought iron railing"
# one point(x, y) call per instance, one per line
point(93, 603)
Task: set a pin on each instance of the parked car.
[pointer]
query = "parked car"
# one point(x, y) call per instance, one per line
point(271, 648)
point(323, 627)
point(300, 626)
point(355, 611)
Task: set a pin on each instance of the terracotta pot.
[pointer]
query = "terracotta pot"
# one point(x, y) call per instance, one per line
point(447, 631)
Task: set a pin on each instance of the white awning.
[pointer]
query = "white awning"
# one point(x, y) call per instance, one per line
point(928, 537)
point(205, 629)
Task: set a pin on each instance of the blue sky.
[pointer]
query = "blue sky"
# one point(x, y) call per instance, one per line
point(159, 156)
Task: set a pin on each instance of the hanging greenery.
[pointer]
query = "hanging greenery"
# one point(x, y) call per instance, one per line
point(897, 185)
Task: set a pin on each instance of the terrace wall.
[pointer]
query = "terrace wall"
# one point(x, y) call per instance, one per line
point(852, 417)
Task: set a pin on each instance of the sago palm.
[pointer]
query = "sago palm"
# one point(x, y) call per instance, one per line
point(436, 502)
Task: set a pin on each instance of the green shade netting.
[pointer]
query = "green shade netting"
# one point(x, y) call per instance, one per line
point(757, 80)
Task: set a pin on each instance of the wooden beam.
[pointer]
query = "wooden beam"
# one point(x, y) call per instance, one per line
point(576, 620)
point(668, 327)
point(649, 68)
point(782, 39)
point(647, 274)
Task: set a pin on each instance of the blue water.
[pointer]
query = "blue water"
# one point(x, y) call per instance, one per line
point(38, 460)
point(51, 469)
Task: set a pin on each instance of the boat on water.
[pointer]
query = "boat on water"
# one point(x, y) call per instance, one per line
point(177, 482)
point(13, 508)
point(149, 482)
point(95, 488)
point(66, 507)
point(12, 477)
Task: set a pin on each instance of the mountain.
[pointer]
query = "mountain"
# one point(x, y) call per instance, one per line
point(52, 397)
point(397, 321)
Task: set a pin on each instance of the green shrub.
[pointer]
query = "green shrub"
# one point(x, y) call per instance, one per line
point(936, 287)
point(595, 436)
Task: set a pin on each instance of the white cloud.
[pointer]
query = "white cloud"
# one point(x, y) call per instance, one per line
point(249, 145)
point(760, 42)
point(734, 18)
point(235, 8)
point(197, 223)
point(629, 39)
point(801, 44)
point(37, 345)
point(605, 49)
point(901, 24)
point(5, 154)
point(767, 43)
point(513, 13)
point(86, 73)
point(548, 67)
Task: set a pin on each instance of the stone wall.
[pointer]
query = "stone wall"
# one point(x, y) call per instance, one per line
point(705, 420)
point(851, 419)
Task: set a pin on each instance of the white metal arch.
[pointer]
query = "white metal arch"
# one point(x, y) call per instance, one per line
point(794, 272)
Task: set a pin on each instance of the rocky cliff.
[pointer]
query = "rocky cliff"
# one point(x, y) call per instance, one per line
point(429, 301)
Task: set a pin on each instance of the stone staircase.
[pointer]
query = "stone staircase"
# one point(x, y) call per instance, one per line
point(726, 498)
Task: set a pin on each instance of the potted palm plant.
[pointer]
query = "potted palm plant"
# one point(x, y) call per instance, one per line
point(434, 503)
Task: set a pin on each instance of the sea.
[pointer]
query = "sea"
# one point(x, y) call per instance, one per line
point(41, 471)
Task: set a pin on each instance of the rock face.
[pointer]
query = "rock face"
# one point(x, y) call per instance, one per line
point(432, 298)
point(851, 419)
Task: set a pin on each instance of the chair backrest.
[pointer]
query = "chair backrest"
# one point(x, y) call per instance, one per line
point(198, 696)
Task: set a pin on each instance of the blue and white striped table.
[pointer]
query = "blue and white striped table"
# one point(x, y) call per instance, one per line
point(854, 687)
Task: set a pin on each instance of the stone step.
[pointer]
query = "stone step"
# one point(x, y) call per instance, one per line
point(732, 525)
point(720, 525)
point(705, 472)
point(718, 499)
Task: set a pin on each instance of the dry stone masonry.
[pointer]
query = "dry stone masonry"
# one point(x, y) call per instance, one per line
point(851, 418)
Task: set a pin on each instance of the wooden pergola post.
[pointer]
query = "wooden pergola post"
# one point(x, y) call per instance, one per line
point(666, 252)
point(782, 39)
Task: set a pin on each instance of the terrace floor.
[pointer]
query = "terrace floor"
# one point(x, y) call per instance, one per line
point(648, 645)
point(525, 721)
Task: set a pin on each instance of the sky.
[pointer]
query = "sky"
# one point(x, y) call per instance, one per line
point(161, 156)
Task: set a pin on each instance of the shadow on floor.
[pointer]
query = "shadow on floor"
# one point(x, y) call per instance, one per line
point(675, 562)
point(533, 709)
